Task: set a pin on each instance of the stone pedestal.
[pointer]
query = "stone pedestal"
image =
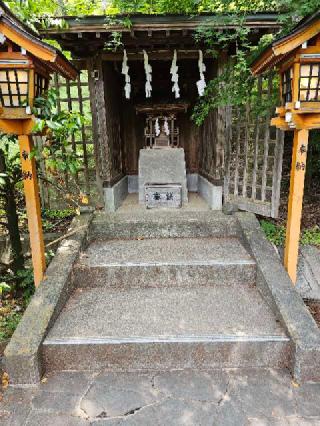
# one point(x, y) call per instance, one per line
point(162, 166)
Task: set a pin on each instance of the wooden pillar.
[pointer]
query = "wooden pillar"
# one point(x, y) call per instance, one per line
point(102, 147)
point(31, 191)
point(298, 169)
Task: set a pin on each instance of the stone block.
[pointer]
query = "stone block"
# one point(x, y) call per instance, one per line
point(114, 196)
point(23, 354)
point(211, 193)
point(167, 196)
point(192, 182)
point(162, 166)
point(274, 282)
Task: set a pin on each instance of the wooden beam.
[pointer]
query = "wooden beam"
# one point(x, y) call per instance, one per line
point(31, 191)
point(298, 169)
point(161, 54)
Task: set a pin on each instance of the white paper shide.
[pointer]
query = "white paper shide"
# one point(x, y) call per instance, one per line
point(201, 84)
point(125, 72)
point(148, 71)
point(175, 76)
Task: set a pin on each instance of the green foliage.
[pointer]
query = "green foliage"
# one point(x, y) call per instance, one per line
point(10, 149)
point(51, 218)
point(190, 6)
point(115, 41)
point(277, 234)
point(295, 10)
point(311, 236)
point(8, 324)
point(313, 159)
point(59, 127)
point(234, 85)
point(58, 214)
point(26, 283)
point(274, 233)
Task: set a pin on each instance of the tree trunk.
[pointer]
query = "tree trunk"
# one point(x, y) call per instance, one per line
point(10, 208)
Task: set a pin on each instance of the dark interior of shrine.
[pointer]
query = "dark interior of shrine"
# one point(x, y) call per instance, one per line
point(128, 133)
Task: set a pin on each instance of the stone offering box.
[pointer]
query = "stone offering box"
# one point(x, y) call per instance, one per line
point(163, 196)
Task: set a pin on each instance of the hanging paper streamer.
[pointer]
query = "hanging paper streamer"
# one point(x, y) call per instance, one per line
point(125, 72)
point(104, 4)
point(175, 76)
point(166, 127)
point(157, 127)
point(148, 71)
point(201, 84)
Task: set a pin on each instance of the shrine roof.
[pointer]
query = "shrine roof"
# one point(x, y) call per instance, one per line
point(281, 48)
point(158, 22)
point(85, 35)
point(23, 36)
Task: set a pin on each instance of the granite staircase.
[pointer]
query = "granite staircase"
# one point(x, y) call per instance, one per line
point(165, 291)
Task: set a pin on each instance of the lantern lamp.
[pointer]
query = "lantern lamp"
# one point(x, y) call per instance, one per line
point(296, 56)
point(22, 80)
point(26, 63)
point(300, 84)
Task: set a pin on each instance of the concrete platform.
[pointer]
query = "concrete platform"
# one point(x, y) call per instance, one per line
point(165, 262)
point(166, 328)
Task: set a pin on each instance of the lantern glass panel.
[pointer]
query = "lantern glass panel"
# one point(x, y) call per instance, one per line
point(287, 86)
point(309, 83)
point(14, 86)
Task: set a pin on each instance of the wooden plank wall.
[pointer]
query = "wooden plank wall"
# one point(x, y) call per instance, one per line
point(213, 137)
point(112, 89)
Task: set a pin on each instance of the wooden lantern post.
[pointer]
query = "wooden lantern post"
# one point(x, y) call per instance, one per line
point(297, 57)
point(23, 129)
point(297, 176)
point(31, 191)
point(25, 66)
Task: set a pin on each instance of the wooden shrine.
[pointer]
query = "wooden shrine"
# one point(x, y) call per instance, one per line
point(159, 72)
point(164, 117)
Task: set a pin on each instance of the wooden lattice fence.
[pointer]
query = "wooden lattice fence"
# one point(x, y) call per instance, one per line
point(74, 96)
point(254, 154)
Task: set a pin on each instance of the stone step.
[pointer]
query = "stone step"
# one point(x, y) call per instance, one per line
point(165, 262)
point(156, 329)
point(169, 223)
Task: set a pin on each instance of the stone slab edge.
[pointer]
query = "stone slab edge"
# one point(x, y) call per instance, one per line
point(275, 284)
point(114, 196)
point(22, 356)
point(212, 194)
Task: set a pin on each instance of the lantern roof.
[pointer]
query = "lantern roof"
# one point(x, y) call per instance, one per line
point(23, 36)
point(285, 46)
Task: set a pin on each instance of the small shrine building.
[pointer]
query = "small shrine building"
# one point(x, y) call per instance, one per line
point(142, 94)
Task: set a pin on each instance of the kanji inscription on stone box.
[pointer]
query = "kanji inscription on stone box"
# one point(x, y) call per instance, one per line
point(157, 195)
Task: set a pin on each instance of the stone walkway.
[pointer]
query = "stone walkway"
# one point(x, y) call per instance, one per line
point(227, 397)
